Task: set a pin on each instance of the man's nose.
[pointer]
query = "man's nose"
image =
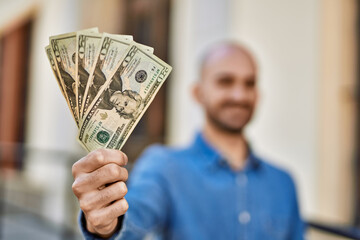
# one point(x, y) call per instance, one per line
point(239, 93)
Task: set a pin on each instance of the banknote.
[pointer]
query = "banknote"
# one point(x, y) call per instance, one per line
point(53, 67)
point(112, 49)
point(64, 49)
point(88, 45)
point(108, 81)
point(122, 101)
point(145, 47)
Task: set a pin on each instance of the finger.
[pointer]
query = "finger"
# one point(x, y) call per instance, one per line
point(97, 225)
point(116, 209)
point(104, 197)
point(105, 216)
point(97, 159)
point(106, 231)
point(107, 174)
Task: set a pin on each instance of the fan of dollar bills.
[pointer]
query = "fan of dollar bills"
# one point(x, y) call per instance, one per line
point(108, 82)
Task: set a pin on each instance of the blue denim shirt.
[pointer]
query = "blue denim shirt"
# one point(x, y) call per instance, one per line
point(193, 194)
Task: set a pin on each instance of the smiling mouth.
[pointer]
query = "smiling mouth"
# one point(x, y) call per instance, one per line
point(237, 111)
point(236, 108)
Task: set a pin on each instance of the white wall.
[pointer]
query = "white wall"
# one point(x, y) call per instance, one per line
point(284, 37)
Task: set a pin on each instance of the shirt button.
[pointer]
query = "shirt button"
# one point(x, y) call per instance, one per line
point(241, 179)
point(244, 217)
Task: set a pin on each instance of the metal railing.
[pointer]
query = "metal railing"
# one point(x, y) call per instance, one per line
point(336, 230)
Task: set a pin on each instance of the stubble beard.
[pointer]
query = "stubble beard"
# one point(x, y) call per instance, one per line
point(220, 125)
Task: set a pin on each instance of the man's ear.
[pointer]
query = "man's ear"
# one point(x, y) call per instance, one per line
point(196, 92)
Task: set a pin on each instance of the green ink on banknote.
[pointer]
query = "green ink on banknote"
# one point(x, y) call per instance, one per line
point(103, 136)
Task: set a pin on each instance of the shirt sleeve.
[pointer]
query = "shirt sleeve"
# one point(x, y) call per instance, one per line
point(147, 196)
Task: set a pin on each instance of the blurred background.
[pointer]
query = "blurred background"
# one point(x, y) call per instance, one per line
point(307, 121)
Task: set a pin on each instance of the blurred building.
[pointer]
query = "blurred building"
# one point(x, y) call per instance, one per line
point(307, 120)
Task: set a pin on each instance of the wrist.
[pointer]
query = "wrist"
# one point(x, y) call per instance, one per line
point(104, 232)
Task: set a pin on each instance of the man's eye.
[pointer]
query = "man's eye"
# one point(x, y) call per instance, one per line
point(225, 81)
point(250, 83)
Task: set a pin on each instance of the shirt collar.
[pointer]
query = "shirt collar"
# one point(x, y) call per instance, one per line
point(212, 157)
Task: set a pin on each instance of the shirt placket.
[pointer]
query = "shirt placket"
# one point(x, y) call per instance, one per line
point(243, 213)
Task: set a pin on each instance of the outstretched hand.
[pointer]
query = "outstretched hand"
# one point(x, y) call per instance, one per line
point(99, 185)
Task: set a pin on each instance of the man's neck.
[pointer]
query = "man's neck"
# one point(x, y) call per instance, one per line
point(232, 146)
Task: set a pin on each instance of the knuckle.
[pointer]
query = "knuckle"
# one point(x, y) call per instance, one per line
point(98, 156)
point(102, 151)
point(124, 158)
point(114, 169)
point(76, 188)
point(74, 168)
point(84, 205)
point(93, 219)
point(123, 206)
point(125, 174)
point(121, 189)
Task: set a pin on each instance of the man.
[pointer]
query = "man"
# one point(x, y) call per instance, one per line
point(214, 189)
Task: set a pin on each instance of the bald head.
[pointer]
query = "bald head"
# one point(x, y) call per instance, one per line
point(223, 50)
point(227, 90)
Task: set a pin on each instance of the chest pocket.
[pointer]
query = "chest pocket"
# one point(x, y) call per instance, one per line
point(276, 227)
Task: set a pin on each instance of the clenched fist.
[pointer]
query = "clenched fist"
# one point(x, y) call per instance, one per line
point(99, 184)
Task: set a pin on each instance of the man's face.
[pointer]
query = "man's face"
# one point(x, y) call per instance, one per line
point(228, 90)
point(123, 103)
